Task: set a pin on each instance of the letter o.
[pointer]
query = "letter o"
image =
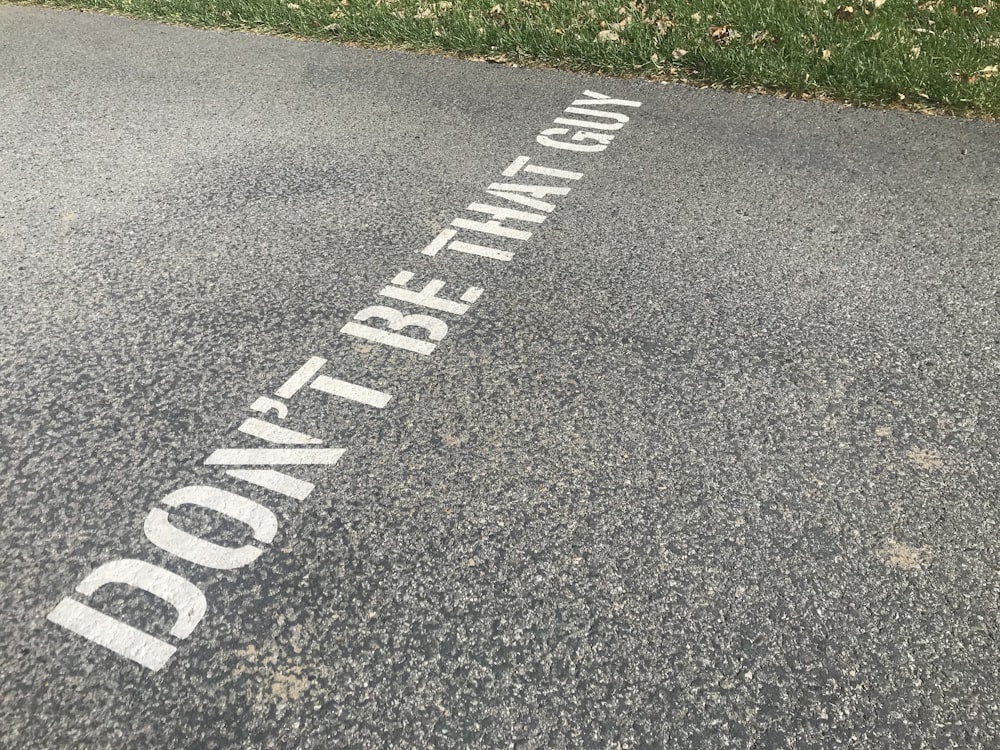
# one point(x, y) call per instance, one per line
point(187, 546)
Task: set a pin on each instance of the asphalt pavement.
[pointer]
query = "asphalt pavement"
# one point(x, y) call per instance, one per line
point(695, 446)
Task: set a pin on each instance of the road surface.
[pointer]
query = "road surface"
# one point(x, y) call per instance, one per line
point(362, 399)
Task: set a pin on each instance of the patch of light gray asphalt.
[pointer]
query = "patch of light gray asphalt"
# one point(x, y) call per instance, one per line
point(709, 460)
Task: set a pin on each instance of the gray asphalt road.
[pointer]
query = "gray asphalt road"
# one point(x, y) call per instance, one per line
point(711, 461)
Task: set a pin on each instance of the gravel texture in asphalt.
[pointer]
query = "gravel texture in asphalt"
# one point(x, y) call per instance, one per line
point(712, 462)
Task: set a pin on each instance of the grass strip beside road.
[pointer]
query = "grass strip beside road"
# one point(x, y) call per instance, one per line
point(939, 55)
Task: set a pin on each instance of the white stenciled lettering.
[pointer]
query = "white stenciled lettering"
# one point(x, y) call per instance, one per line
point(524, 200)
point(426, 297)
point(351, 392)
point(588, 124)
point(262, 522)
point(586, 107)
point(522, 162)
point(470, 248)
point(266, 405)
point(586, 135)
point(535, 191)
point(502, 214)
point(272, 433)
point(120, 637)
point(545, 138)
point(492, 227)
point(594, 99)
point(442, 239)
point(516, 166)
point(617, 116)
point(302, 376)
point(275, 457)
point(472, 294)
point(325, 384)
point(276, 481)
point(436, 329)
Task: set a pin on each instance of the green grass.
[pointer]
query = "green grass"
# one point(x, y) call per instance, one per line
point(939, 55)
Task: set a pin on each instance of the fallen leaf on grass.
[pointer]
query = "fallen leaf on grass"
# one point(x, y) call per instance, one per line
point(722, 35)
point(875, 37)
point(678, 53)
point(979, 11)
point(661, 21)
point(622, 23)
point(844, 12)
point(989, 71)
point(607, 35)
point(915, 51)
point(826, 54)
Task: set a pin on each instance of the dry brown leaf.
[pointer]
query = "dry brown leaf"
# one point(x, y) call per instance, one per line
point(722, 35)
point(678, 53)
point(826, 54)
point(979, 11)
point(607, 35)
point(661, 21)
point(844, 12)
